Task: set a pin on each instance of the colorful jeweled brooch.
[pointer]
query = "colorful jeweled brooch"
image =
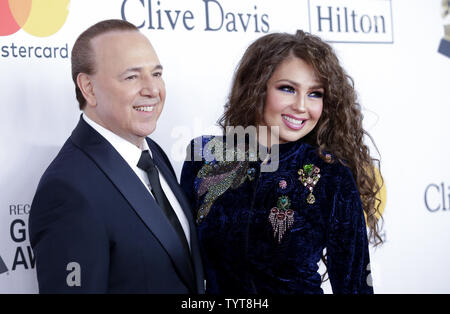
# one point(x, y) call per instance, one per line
point(309, 176)
point(281, 217)
point(282, 184)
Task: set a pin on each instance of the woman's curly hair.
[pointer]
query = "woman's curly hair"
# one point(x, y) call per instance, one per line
point(339, 130)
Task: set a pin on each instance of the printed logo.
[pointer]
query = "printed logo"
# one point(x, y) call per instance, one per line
point(40, 18)
point(444, 46)
point(3, 268)
point(381, 194)
point(347, 21)
point(437, 198)
point(74, 277)
point(216, 16)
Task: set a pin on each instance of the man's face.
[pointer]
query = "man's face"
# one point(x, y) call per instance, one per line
point(128, 87)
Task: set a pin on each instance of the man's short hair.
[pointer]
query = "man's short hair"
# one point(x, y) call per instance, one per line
point(83, 59)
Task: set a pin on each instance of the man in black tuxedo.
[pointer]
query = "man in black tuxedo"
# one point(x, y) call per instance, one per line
point(108, 215)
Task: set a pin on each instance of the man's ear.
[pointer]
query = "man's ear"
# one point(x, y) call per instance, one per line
point(85, 84)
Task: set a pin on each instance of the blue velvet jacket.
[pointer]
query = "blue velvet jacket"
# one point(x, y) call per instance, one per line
point(258, 232)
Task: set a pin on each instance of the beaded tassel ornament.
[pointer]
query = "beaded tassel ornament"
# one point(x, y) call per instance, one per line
point(281, 217)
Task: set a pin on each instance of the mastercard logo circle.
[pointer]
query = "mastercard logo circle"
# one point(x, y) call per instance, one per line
point(40, 18)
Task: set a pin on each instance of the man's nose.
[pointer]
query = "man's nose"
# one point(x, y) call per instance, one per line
point(149, 86)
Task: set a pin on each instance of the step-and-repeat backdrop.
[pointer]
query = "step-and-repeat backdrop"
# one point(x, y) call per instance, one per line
point(397, 52)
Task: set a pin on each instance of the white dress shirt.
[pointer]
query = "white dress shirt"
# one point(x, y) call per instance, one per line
point(131, 154)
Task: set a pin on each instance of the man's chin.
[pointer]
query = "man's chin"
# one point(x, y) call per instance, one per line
point(146, 131)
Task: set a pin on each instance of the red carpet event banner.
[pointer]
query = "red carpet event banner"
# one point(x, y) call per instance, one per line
point(397, 52)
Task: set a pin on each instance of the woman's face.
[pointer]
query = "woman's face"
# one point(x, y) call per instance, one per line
point(294, 100)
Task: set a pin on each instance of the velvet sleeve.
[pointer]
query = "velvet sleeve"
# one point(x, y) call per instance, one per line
point(189, 172)
point(348, 260)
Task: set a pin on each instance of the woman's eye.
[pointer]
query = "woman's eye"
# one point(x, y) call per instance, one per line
point(316, 94)
point(287, 89)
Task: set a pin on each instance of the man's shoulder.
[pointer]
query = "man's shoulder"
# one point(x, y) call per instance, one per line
point(68, 163)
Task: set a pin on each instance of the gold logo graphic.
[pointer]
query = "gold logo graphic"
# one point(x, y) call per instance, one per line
point(381, 195)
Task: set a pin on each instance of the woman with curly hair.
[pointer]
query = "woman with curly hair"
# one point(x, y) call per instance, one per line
point(266, 231)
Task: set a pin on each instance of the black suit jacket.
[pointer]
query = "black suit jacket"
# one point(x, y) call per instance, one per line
point(90, 208)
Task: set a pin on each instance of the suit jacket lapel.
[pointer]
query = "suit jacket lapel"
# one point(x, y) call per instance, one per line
point(173, 183)
point(126, 181)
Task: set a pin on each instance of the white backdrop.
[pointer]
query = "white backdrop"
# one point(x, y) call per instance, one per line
point(390, 48)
